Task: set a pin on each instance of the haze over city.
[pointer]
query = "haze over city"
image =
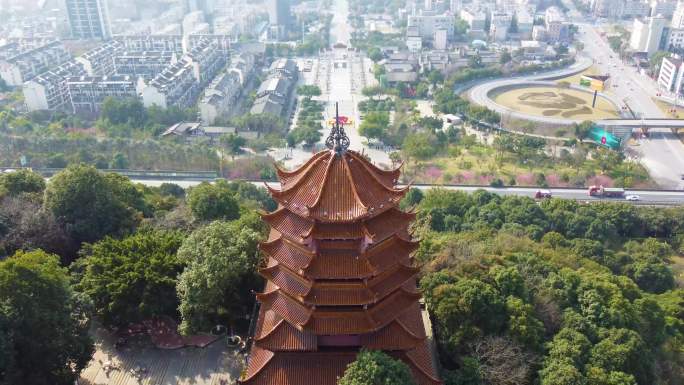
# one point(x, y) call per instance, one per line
point(342, 192)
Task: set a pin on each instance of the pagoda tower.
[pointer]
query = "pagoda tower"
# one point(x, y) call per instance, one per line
point(340, 275)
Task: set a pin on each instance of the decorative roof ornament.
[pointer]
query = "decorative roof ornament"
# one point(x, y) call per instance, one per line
point(338, 140)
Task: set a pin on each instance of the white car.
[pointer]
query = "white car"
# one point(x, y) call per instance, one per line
point(633, 198)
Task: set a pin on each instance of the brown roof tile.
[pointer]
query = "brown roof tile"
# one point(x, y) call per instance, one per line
point(338, 188)
point(389, 223)
point(286, 279)
point(294, 256)
point(285, 337)
point(316, 368)
point(289, 224)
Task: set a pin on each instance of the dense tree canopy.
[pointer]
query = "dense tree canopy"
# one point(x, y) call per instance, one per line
point(568, 284)
point(43, 324)
point(221, 261)
point(132, 279)
point(20, 182)
point(376, 368)
point(90, 204)
point(213, 201)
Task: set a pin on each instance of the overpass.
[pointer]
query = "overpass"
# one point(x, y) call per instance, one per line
point(642, 123)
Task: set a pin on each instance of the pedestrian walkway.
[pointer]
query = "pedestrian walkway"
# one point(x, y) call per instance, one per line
point(215, 364)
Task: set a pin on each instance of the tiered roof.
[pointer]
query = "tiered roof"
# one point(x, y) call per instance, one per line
point(340, 275)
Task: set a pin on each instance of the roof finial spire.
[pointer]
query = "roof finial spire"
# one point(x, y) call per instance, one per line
point(338, 140)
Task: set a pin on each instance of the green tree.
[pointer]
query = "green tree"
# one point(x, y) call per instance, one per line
point(90, 204)
point(119, 162)
point(22, 181)
point(475, 61)
point(420, 145)
point(374, 367)
point(468, 309)
point(215, 286)
point(209, 202)
point(375, 54)
point(132, 279)
point(375, 124)
point(505, 58)
point(43, 324)
point(308, 91)
point(233, 143)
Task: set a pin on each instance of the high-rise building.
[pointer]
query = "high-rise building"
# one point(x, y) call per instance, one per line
point(647, 34)
point(340, 275)
point(279, 12)
point(671, 76)
point(88, 19)
point(678, 16)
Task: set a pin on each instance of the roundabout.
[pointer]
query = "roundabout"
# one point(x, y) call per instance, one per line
point(539, 98)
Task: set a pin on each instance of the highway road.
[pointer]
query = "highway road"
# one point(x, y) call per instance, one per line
point(662, 153)
point(652, 197)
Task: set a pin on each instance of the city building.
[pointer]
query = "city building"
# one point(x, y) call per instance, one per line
point(427, 23)
point(88, 19)
point(647, 34)
point(24, 62)
point(555, 26)
point(175, 86)
point(49, 91)
point(525, 24)
point(635, 8)
point(87, 93)
point(671, 75)
point(666, 8)
point(499, 26)
point(220, 98)
point(539, 33)
point(100, 60)
point(440, 39)
point(273, 95)
point(279, 16)
point(206, 61)
point(151, 43)
point(477, 21)
point(678, 16)
point(339, 275)
point(414, 42)
point(145, 65)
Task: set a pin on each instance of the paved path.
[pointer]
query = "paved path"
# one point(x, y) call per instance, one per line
point(190, 366)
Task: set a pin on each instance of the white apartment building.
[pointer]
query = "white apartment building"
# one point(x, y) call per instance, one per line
point(87, 93)
point(440, 39)
point(49, 91)
point(427, 23)
point(99, 61)
point(476, 20)
point(220, 97)
point(646, 34)
point(678, 16)
point(175, 86)
point(556, 29)
point(27, 64)
point(152, 43)
point(500, 24)
point(145, 65)
point(671, 75)
point(206, 61)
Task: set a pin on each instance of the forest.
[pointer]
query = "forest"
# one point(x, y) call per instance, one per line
point(519, 292)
